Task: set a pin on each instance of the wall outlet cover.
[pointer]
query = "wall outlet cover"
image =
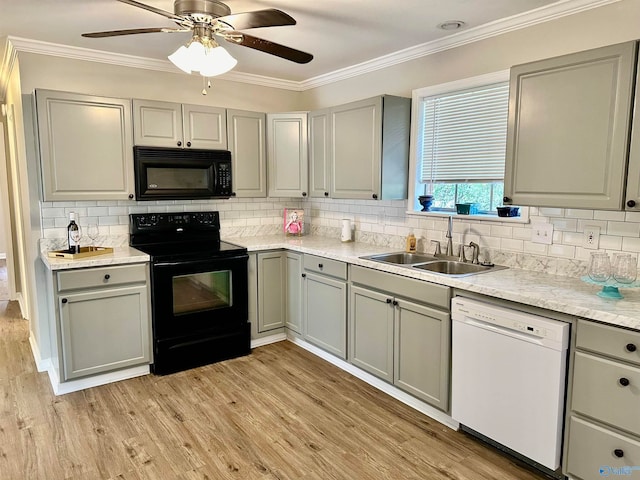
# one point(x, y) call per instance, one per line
point(542, 233)
point(591, 238)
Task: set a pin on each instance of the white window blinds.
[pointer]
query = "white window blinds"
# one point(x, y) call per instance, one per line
point(464, 135)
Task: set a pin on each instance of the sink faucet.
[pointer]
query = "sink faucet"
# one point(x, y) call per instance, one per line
point(448, 235)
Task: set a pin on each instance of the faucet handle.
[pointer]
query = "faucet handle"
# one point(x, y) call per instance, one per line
point(438, 250)
point(475, 253)
point(461, 257)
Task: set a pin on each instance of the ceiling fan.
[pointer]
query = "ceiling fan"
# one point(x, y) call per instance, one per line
point(206, 19)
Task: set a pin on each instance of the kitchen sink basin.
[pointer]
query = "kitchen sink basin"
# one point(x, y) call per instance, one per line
point(458, 269)
point(401, 258)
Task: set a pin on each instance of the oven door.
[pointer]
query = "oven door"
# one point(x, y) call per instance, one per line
point(199, 296)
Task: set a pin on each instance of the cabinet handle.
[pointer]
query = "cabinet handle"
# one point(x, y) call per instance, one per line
point(320, 265)
point(624, 382)
point(131, 196)
point(64, 300)
point(618, 452)
point(630, 347)
point(304, 275)
point(631, 203)
point(388, 300)
point(506, 199)
point(395, 303)
point(107, 276)
point(233, 194)
point(188, 144)
point(375, 196)
point(326, 194)
point(179, 143)
point(304, 194)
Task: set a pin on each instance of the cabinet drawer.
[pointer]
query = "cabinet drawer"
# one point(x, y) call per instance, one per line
point(592, 452)
point(611, 341)
point(327, 266)
point(598, 391)
point(101, 277)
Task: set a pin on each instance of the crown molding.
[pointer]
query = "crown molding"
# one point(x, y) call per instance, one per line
point(6, 67)
point(498, 27)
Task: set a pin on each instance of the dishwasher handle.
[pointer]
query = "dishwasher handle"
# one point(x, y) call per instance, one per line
point(502, 330)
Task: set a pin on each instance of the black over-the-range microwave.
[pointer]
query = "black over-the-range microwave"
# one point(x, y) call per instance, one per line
point(181, 173)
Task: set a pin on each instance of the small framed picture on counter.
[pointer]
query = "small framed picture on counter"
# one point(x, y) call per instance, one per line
point(293, 221)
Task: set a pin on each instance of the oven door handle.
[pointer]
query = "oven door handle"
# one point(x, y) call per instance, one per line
point(187, 263)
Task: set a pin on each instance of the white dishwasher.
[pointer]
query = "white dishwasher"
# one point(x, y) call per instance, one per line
point(508, 377)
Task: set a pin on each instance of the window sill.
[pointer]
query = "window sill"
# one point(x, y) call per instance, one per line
point(523, 218)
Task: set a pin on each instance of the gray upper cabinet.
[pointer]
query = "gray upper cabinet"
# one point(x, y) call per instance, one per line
point(166, 124)
point(568, 130)
point(85, 146)
point(319, 153)
point(247, 143)
point(287, 154)
point(632, 200)
point(370, 148)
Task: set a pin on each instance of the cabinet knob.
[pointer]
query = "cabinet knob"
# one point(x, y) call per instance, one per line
point(395, 303)
point(64, 300)
point(233, 194)
point(131, 196)
point(188, 144)
point(388, 300)
point(107, 276)
point(624, 382)
point(304, 194)
point(631, 203)
point(326, 194)
point(304, 275)
point(618, 452)
point(630, 347)
point(179, 143)
point(506, 199)
point(320, 265)
point(375, 196)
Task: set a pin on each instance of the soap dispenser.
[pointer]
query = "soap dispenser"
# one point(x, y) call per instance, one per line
point(411, 243)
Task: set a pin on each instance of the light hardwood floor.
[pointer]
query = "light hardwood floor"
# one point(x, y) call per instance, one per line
point(280, 413)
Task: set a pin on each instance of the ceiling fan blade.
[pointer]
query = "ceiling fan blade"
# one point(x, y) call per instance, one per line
point(267, 46)
point(132, 31)
point(269, 17)
point(164, 13)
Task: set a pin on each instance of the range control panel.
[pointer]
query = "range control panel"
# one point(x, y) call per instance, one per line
point(152, 222)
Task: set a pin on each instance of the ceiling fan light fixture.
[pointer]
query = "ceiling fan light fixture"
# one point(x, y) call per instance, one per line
point(181, 59)
point(203, 55)
point(217, 61)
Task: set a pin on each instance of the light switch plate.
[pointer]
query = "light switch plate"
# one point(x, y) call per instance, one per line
point(542, 233)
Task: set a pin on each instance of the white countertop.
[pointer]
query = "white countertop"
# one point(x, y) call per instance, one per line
point(552, 292)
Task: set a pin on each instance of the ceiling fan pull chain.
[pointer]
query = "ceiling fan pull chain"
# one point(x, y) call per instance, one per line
point(204, 85)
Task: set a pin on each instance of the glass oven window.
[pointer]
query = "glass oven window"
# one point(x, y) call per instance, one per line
point(177, 178)
point(198, 292)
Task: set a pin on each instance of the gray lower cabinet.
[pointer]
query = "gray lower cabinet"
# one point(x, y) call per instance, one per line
point(571, 116)
point(325, 304)
point(293, 311)
point(603, 434)
point(86, 146)
point(399, 331)
point(271, 269)
point(104, 319)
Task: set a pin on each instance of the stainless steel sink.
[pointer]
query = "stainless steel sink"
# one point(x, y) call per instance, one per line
point(401, 258)
point(457, 269)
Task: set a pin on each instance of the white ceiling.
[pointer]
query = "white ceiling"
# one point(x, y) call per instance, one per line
point(339, 33)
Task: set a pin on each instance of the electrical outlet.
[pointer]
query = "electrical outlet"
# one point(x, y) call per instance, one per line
point(591, 238)
point(542, 233)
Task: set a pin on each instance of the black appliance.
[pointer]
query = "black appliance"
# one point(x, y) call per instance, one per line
point(199, 289)
point(181, 173)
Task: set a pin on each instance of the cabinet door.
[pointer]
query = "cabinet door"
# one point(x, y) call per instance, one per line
point(356, 149)
point(287, 143)
point(325, 313)
point(104, 330)
point(632, 199)
point(85, 146)
point(293, 317)
point(371, 332)
point(204, 127)
point(319, 153)
point(422, 352)
point(568, 129)
point(246, 131)
point(157, 124)
point(271, 290)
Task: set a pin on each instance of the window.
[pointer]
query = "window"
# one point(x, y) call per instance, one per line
point(459, 143)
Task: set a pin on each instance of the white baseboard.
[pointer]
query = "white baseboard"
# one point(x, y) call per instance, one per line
point(42, 365)
point(259, 342)
point(390, 390)
point(21, 304)
point(97, 380)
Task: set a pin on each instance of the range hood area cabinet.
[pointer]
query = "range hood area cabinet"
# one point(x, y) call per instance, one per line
point(287, 154)
point(360, 150)
point(569, 130)
point(86, 146)
point(166, 124)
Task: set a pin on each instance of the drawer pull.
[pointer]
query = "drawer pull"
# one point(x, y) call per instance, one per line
point(107, 276)
point(64, 300)
point(388, 300)
point(304, 275)
point(618, 452)
point(395, 303)
point(624, 382)
point(630, 347)
point(320, 265)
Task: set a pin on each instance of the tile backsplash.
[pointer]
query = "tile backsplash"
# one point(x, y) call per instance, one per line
point(384, 223)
